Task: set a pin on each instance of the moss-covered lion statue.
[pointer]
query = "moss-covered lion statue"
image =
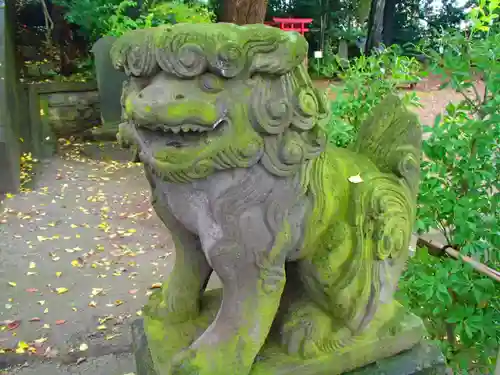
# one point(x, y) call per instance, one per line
point(307, 239)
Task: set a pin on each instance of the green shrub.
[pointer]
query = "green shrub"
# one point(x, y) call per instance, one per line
point(115, 17)
point(366, 81)
point(459, 197)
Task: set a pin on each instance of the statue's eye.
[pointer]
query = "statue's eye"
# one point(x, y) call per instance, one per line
point(211, 83)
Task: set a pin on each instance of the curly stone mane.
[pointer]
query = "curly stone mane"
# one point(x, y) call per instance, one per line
point(284, 109)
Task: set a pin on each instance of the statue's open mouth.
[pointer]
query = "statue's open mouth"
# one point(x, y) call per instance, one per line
point(180, 136)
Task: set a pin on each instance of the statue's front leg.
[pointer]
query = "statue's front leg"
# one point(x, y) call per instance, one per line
point(251, 294)
point(187, 281)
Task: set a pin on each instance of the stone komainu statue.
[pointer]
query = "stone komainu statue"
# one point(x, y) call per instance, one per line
point(307, 239)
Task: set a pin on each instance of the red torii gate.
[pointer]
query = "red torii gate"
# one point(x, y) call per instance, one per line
point(291, 24)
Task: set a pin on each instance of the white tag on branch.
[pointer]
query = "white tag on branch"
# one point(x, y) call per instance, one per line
point(355, 179)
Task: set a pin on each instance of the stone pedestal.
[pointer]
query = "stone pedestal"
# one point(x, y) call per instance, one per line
point(371, 358)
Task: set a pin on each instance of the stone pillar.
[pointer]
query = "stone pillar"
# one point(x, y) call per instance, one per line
point(9, 144)
point(110, 84)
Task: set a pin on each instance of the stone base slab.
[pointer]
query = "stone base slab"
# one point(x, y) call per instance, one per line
point(403, 353)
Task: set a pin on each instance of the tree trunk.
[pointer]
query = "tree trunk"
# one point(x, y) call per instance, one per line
point(243, 12)
point(389, 14)
point(375, 25)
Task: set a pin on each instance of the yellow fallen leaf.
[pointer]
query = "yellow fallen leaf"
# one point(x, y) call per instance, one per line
point(92, 304)
point(61, 290)
point(46, 310)
point(76, 263)
point(41, 303)
point(12, 283)
point(32, 265)
point(102, 327)
point(21, 347)
point(58, 274)
point(97, 291)
point(110, 337)
point(104, 319)
point(46, 326)
point(41, 340)
point(118, 302)
point(73, 226)
point(83, 347)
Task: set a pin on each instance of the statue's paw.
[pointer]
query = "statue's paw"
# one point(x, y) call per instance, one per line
point(304, 331)
point(309, 331)
point(184, 363)
point(172, 309)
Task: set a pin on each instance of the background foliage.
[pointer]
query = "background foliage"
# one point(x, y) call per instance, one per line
point(460, 172)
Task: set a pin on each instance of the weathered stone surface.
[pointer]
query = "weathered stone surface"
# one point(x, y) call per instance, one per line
point(308, 240)
point(110, 84)
point(422, 358)
point(72, 113)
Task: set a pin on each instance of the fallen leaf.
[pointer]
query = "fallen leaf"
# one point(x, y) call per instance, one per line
point(355, 179)
point(46, 310)
point(32, 290)
point(80, 360)
point(102, 327)
point(58, 274)
point(104, 319)
point(41, 340)
point(32, 265)
point(60, 322)
point(46, 326)
point(110, 337)
point(30, 273)
point(61, 290)
point(132, 291)
point(118, 302)
point(97, 291)
point(83, 347)
point(41, 303)
point(50, 353)
point(21, 347)
point(12, 283)
point(8, 306)
point(155, 286)
point(13, 325)
point(35, 319)
point(92, 304)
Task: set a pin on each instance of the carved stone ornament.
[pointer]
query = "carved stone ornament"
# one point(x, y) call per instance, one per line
point(308, 240)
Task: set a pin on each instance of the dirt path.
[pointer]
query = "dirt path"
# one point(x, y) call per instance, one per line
point(78, 258)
